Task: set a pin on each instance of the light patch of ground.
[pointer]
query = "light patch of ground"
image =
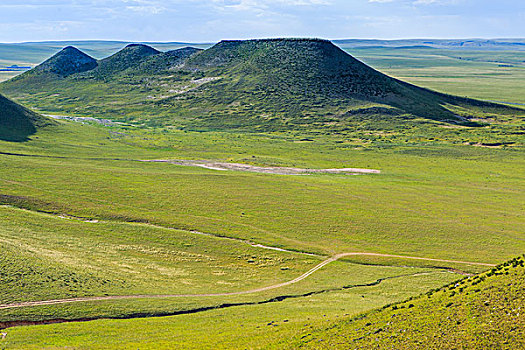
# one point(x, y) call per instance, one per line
point(266, 170)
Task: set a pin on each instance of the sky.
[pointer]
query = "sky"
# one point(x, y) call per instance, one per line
point(213, 20)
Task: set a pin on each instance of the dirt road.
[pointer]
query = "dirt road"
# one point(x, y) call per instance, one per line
point(251, 291)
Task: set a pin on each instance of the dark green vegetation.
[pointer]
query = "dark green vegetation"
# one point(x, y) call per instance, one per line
point(81, 216)
point(68, 61)
point(480, 312)
point(258, 85)
point(17, 122)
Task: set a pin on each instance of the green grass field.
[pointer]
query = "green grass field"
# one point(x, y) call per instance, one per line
point(81, 216)
point(486, 75)
point(484, 312)
point(87, 171)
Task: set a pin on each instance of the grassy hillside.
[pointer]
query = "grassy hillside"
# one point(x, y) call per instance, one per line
point(68, 61)
point(480, 312)
point(130, 56)
point(18, 123)
point(258, 85)
point(293, 79)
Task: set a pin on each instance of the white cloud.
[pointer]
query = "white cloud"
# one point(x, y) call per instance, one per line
point(153, 10)
point(261, 4)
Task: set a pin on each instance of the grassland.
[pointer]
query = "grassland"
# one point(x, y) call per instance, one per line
point(486, 75)
point(443, 192)
point(484, 312)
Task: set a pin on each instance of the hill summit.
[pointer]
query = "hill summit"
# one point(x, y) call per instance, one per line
point(68, 61)
point(130, 56)
point(17, 122)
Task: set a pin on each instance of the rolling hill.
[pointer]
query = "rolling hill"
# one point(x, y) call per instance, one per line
point(63, 64)
point(480, 312)
point(293, 78)
point(17, 122)
point(130, 56)
point(66, 62)
point(253, 85)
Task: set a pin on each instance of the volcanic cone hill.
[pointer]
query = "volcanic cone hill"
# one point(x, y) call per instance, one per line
point(68, 61)
point(254, 85)
point(130, 56)
point(293, 76)
point(17, 122)
point(63, 64)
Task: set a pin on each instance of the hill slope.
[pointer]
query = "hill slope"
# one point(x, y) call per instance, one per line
point(293, 75)
point(66, 62)
point(17, 122)
point(130, 56)
point(254, 85)
point(481, 312)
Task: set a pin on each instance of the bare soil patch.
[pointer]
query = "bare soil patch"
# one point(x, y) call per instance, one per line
point(265, 170)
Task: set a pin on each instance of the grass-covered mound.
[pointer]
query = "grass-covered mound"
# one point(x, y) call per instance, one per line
point(68, 61)
point(253, 85)
point(306, 81)
point(303, 74)
point(481, 312)
point(130, 56)
point(17, 122)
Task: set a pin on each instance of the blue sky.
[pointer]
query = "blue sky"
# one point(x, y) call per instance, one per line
point(212, 20)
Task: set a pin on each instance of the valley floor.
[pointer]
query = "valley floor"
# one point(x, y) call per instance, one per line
point(162, 255)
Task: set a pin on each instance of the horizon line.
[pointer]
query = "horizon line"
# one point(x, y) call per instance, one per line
point(276, 37)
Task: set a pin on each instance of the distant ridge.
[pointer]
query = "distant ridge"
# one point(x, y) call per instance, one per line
point(18, 123)
point(517, 44)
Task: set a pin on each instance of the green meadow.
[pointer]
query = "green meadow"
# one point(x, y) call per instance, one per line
point(481, 74)
point(425, 203)
point(81, 215)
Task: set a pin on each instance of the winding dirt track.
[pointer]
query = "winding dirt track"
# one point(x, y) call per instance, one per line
point(251, 291)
